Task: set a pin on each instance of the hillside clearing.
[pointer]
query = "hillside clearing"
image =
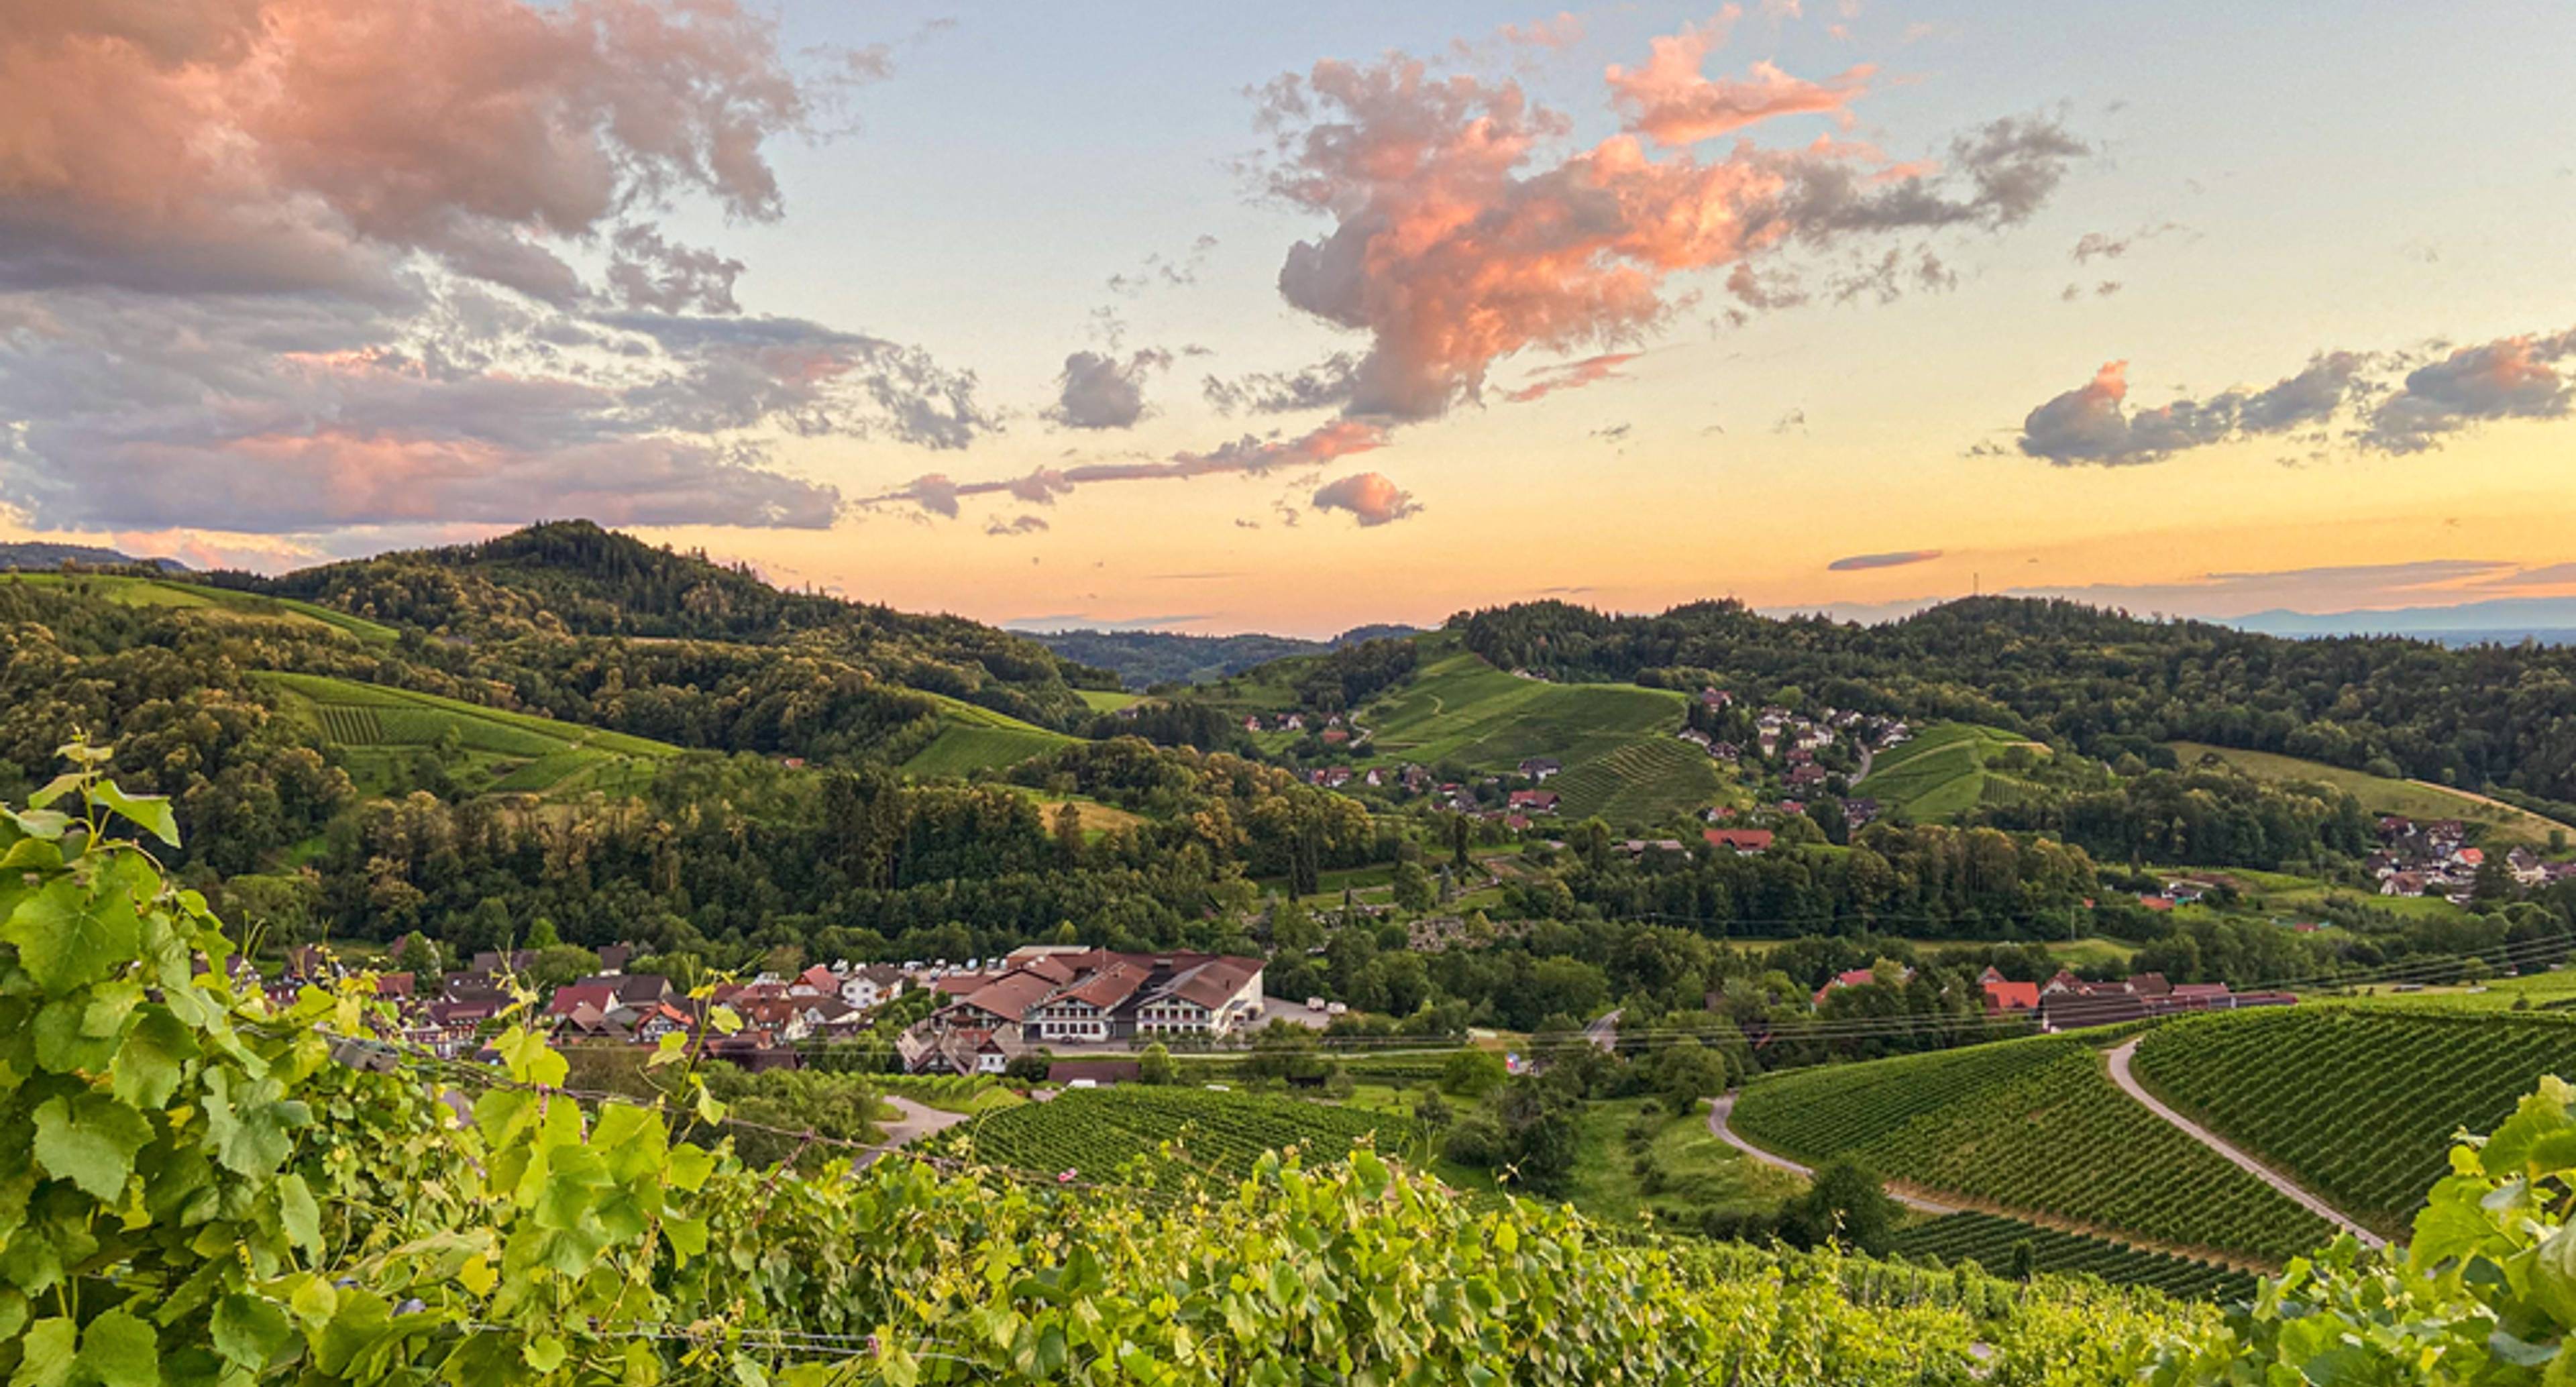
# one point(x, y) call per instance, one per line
point(2380, 795)
point(975, 739)
point(219, 603)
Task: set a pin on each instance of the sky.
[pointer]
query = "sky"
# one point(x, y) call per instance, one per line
point(1293, 318)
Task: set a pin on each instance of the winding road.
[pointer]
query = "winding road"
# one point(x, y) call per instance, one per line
point(1720, 1107)
point(2128, 1082)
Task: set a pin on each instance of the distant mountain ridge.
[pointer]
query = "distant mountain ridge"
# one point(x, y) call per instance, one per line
point(1143, 659)
point(2503, 620)
point(31, 554)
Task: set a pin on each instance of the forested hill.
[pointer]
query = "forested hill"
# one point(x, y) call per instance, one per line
point(573, 578)
point(41, 554)
point(2102, 681)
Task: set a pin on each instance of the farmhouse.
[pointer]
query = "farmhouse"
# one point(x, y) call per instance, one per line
point(1744, 842)
point(1534, 801)
point(1541, 767)
point(1049, 995)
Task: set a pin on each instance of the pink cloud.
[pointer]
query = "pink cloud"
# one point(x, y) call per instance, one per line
point(1454, 245)
point(1672, 102)
point(1370, 497)
point(1573, 375)
point(309, 143)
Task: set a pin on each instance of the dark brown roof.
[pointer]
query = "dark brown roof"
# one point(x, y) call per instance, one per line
point(1012, 995)
point(1210, 984)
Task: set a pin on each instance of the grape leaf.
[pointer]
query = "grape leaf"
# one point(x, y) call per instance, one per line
point(90, 1139)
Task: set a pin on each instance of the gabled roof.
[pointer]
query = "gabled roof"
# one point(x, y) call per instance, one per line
point(1013, 995)
point(1211, 983)
point(1105, 989)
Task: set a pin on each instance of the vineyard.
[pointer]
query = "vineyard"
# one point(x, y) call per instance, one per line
point(972, 739)
point(375, 732)
point(1099, 1132)
point(1989, 1240)
point(2032, 1125)
point(2358, 1104)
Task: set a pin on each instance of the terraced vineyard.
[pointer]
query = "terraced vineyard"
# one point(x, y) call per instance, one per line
point(374, 730)
point(1643, 782)
point(1097, 1133)
point(972, 739)
point(1988, 1240)
point(2033, 1125)
point(2357, 1103)
point(1945, 770)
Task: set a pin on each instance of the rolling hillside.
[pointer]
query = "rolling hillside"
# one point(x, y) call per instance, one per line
point(2380, 795)
point(373, 730)
point(213, 602)
point(2033, 1127)
point(2356, 1103)
point(1171, 1132)
point(972, 739)
point(1948, 768)
point(1622, 759)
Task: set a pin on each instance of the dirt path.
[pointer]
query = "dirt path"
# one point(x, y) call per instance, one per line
point(2128, 1082)
point(1724, 1104)
point(917, 1121)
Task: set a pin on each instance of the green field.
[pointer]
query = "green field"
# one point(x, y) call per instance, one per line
point(1947, 769)
point(1988, 1240)
point(2412, 798)
point(975, 739)
point(1621, 757)
point(1693, 1170)
point(211, 601)
point(374, 731)
point(1121, 1133)
point(1108, 700)
point(2029, 1126)
point(2357, 1103)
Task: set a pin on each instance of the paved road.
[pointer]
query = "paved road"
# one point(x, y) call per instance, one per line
point(2128, 1082)
point(1724, 1104)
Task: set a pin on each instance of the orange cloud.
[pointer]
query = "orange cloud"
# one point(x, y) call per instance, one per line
point(1371, 498)
point(1573, 375)
point(1671, 101)
point(1450, 249)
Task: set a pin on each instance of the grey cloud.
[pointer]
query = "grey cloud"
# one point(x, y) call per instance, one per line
point(1018, 525)
point(2092, 424)
point(1100, 391)
point(1897, 559)
point(2509, 378)
point(645, 271)
point(1324, 384)
point(1371, 498)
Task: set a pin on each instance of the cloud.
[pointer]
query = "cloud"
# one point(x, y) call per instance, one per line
point(1019, 525)
point(1454, 243)
point(1369, 496)
point(1573, 375)
point(1326, 383)
point(1671, 102)
point(647, 272)
point(1099, 391)
point(296, 268)
point(1612, 433)
point(938, 493)
point(2509, 378)
point(2091, 424)
point(229, 146)
point(1170, 271)
point(1560, 30)
point(1897, 559)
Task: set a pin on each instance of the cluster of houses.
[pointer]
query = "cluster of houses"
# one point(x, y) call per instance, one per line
point(1043, 996)
point(2066, 1002)
point(2432, 857)
point(451, 1014)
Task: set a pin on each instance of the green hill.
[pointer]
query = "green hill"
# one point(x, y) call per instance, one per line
point(971, 739)
point(1616, 741)
point(1948, 768)
point(2356, 1103)
point(2381, 795)
point(373, 730)
point(2029, 1126)
point(129, 591)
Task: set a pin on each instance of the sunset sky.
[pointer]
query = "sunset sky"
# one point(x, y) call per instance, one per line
point(1289, 318)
